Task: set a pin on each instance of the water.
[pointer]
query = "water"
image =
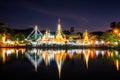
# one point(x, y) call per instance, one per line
point(74, 64)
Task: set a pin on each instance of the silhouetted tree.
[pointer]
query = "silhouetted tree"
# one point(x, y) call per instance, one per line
point(3, 28)
point(118, 25)
point(72, 29)
point(115, 25)
point(109, 36)
point(19, 37)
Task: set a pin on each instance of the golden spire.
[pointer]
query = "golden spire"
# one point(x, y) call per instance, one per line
point(59, 26)
point(45, 36)
point(59, 21)
point(59, 37)
point(85, 35)
point(86, 56)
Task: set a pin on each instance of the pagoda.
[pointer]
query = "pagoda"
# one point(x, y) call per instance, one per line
point(85, 38)
point(35, 34)
point(46, 37)
point(59, 37)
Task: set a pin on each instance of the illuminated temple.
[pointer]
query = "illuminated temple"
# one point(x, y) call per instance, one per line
point(35, 34)
point(85, 38)
point(59, 37)
point(46, 37)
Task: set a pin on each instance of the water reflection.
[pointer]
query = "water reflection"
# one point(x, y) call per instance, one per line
point(6, 52)
point(37, 56)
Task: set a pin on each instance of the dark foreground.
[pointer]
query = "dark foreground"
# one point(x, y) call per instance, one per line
point(73, 64)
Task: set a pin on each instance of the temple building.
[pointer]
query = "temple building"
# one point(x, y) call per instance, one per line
point(85, 38)
point(59, 37)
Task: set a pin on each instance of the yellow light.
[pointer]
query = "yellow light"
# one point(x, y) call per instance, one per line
point(4, 38)
point(117, 64)
point(116, 31)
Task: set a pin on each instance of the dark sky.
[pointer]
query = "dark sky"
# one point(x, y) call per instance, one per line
point(93, 15)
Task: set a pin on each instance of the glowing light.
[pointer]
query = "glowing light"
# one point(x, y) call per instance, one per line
point(8, 52)
point(3, 38)
point(96, 42)
point(116, 52)
point(97, 52)
point(102, 42)
point(117, 64)
point(115, 30)
point(86, 56)
point(59, 37)
point(86, 40)
point(102, 52)
point(3, 56)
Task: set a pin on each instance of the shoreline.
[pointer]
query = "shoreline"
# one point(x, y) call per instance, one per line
point(64, 47)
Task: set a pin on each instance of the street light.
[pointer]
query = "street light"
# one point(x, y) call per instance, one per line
point(116, 31)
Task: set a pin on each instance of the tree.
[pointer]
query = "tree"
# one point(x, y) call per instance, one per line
point(119, 25)
point(109, 36)
point(72, 29)
point(3, 28)
point(113, 25)
point(19, 37)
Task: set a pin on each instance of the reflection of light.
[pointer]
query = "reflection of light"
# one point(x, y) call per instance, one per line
point(112, 54)
point(60, 60)
point(92, 54)
point(12, 50)
point(102, 52)
point(72, 51)
point(60, 55)
point(97, 52)
point(3, 55)
point(34, 51)
point(117, 64)
point(33, 59)
point(86, 55)
point(79, 51)
point(108, 53)
point(102, 42)
point(45, 57)
point(8, 52)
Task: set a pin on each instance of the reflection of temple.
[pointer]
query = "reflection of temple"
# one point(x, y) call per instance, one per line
point(59, 58)
point(59, 37)
point(33, 57)
point(86, 56)
point(46, 37)
point(37, 56)
point(117, 64)
point(6, 52)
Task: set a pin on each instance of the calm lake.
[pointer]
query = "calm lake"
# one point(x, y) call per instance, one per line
point(56, 64)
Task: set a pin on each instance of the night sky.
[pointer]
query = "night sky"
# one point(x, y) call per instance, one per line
point(93, 15)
